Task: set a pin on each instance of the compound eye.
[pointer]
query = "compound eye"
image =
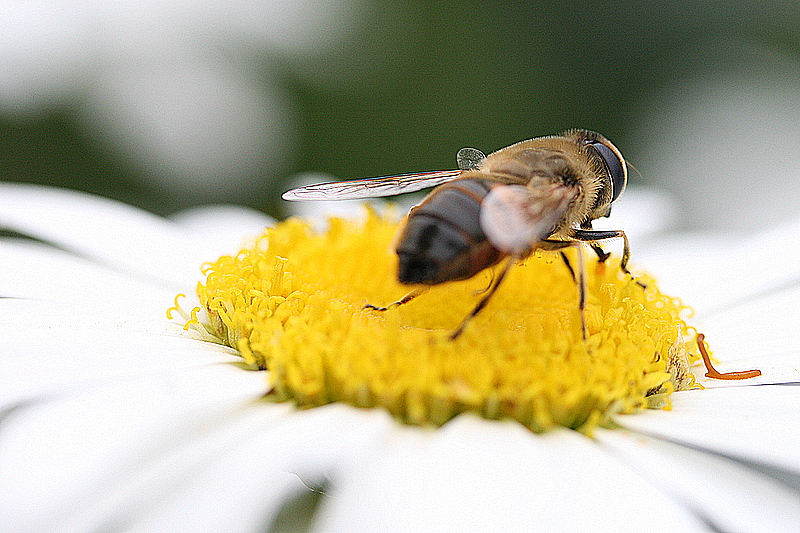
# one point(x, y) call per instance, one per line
point(615, 166)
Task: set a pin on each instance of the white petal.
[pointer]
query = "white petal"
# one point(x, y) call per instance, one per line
point(476, 475)
point(60, 458)
point(45, 52)
point(713, 271)
point(756, 424)
point(729, 495)
point(239, 476)
point(116, 234)
point(54, 349)
point(225, 228)
point(200, 123)
point(37, 271)
point(766, 326)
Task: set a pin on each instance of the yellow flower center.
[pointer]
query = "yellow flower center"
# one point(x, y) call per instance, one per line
point(293, 303)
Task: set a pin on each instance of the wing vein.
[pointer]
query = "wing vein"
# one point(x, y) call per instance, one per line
point(372, 187)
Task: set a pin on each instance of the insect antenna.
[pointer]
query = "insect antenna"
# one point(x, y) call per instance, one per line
point(630, 166)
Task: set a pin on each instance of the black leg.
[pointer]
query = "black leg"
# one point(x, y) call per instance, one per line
point(569, 266)
point(404, 300)
point(601, 255)
point(485, 300)
point(581, 289)
point(581, 278)
point(592, 236)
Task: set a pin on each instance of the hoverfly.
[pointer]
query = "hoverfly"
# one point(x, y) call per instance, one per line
point(542, 193)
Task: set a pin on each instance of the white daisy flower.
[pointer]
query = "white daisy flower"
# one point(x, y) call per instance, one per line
point(114, 418)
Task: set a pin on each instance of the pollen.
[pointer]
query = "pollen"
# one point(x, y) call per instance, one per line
point(294, 302)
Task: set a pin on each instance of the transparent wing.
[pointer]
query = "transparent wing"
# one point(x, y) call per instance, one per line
point(372, 187)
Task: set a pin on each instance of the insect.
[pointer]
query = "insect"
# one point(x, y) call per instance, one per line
point(542, 193)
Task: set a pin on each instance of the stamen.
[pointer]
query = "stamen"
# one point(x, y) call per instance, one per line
point(714, 373)
point(176, 308)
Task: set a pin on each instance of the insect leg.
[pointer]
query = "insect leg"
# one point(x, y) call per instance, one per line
point(601, 254)
point(569, 266)
point(404, 300)
point(592, 236)
point(483, 301)
point(488, 285)
point(581, 288)
point(601, 257)
point(581, 279)
point(552, 245)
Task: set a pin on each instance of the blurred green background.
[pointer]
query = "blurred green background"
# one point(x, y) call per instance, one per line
point(395, 87)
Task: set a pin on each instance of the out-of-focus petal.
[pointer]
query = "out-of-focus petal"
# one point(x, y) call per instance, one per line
point(60, 348)
point(755, 424)
point(261, 458)
point(729, 495)
point(37, 271)
point(195, 121)
point(715, 271)
point(118, 235)
point(476, 475)
point(62, 455)
point(224, 228)
point(46, 52)
point(642, 213)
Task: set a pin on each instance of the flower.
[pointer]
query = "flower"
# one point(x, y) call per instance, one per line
point(292, 302)
point(115, 418)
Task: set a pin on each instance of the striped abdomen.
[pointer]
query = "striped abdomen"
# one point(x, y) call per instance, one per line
point(442, 239)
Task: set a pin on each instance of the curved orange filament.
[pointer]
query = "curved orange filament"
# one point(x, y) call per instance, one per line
point(713, 373)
